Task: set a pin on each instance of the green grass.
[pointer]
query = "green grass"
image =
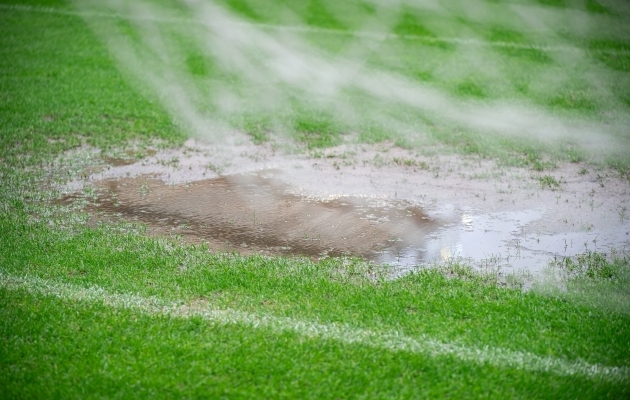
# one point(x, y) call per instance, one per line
point(65, 349)
point(467, 311)
point(61, 86)
point(86, 94)
point(594, 265)
point(549, 182)
point(423, 303)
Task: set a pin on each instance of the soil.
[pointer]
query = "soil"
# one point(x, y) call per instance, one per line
point(379, 202)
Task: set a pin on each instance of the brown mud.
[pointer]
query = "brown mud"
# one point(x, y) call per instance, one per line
point(379, 202)
point(257, 213)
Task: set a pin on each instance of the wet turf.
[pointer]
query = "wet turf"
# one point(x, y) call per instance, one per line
point(61, 87)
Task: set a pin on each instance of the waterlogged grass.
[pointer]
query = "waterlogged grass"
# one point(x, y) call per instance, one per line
point(593, 265)
point(61, 87)
point(549, 182)
point(594, 278)
point(94, 336)
point(47, 335)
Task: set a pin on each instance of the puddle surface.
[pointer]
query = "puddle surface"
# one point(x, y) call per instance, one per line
point(496, 241)
point(257, 213)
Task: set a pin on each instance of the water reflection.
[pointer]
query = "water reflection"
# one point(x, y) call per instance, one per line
point(258, 213)
point(498, 241)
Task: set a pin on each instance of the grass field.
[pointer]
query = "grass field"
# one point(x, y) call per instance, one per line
point(109, 311)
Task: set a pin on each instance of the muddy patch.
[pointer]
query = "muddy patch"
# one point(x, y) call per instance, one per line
point(258, 213)
point(117, 161)
point(382, 203)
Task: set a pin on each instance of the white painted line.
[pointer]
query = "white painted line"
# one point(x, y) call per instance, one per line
point(391, 340)
point(310, 29)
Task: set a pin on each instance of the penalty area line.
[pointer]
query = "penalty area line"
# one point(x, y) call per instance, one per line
point(392, 341)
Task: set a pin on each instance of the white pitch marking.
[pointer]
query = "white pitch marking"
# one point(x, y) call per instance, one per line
point(343, 333)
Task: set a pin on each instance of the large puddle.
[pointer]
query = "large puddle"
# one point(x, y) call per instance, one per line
point(257, 213)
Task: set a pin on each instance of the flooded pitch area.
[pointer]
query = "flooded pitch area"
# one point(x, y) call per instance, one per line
point(363, 203)
point(258, 213)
